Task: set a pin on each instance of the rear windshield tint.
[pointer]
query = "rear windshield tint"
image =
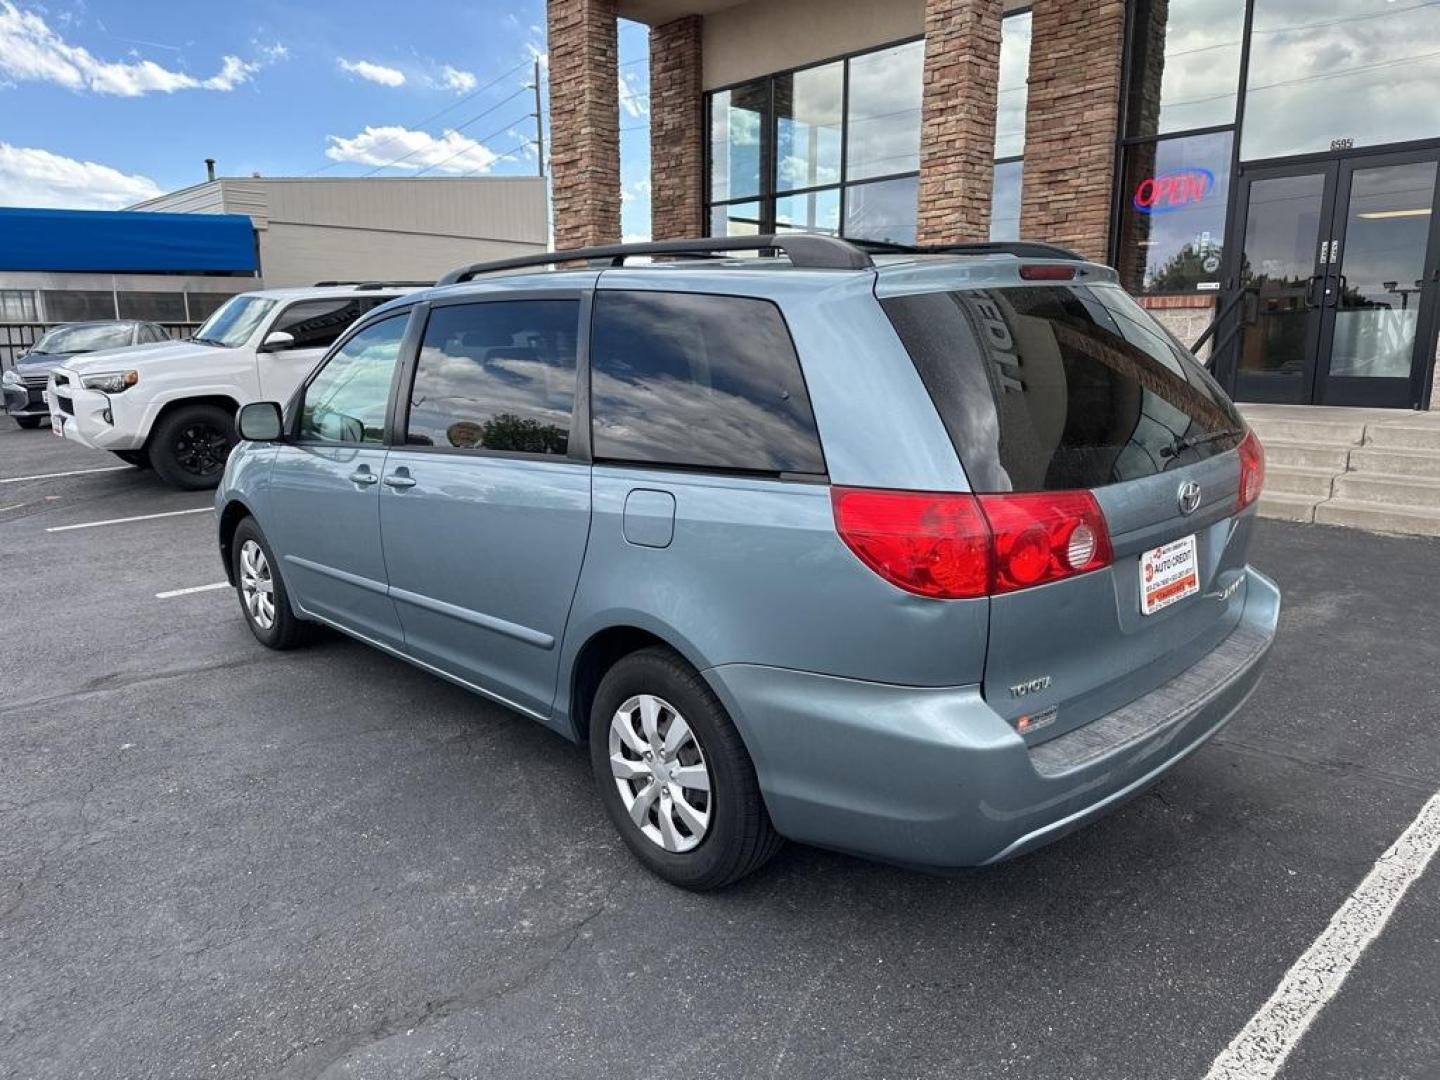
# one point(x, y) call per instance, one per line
point(1048, 387)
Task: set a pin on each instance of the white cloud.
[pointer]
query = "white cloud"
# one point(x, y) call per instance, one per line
point(633, 99)
point(462, 82)
point(376, 73)
point(537, 53)
point(30, 51)
point(451, 153)
point(34, 177)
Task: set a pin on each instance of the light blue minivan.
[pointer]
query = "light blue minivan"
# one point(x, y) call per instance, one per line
point(928, 556)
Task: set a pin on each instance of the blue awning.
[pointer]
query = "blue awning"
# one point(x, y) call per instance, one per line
point(125, 241)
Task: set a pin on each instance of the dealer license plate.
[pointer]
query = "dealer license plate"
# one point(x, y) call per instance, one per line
point(1168, 574)
point(57, 425)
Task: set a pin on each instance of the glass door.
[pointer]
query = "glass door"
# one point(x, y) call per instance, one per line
point(1378, 326)
point(1284, 218)
point(1339, 278)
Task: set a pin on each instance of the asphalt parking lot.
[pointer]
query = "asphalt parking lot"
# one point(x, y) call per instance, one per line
point(219, 861)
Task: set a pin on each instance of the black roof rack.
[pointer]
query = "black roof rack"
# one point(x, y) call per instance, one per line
point(1021, 249)
point(374, 284)
point(808, 250)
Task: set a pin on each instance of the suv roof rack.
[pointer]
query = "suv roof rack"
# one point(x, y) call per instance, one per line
point(1021, 249)
point(374, 284)
point(810, 251)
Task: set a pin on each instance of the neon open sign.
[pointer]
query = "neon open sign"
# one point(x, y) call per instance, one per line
point(1173, 190)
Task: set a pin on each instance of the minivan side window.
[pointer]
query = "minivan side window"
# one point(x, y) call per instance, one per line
point(698, 380)
point(497, 375)
point(346, 400)
point(318, 324)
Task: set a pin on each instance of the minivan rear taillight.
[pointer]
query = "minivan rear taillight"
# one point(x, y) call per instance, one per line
point(954, 546)
point(1252, 470)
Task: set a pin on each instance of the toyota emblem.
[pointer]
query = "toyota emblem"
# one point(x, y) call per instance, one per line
point(1189, 496)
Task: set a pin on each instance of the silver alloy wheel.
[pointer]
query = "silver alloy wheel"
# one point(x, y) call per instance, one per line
point(660, 772)
point(257, 588)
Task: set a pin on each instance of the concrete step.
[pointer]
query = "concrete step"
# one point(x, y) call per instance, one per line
point(1305, 455)
point(1417, 491)
point(1315, 432)
point(1417, 436)
point(1378, 517)
point(1376, 459)
point(1284, 506)
point(1292, 480)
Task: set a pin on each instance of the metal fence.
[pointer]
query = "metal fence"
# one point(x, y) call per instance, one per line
point(19, 337)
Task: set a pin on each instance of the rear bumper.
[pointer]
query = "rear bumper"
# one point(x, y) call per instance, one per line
point(934, 777)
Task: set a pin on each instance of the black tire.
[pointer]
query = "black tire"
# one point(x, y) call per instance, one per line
point(139, 458)
point(739, 837)
point(29, 423)
point(189, 446)
point(286, 630)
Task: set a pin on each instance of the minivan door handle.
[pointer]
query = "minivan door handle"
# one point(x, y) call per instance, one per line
point(400, 478)
point(364, 476)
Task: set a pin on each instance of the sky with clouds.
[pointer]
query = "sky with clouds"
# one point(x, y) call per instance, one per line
point(104, 103)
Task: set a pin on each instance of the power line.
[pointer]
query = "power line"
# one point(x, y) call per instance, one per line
point(457, 128)
point(477, 144)
point(436, 115)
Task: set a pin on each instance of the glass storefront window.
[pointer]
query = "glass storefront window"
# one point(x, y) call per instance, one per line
point(1005, 200)
point(78, 305)
point(1185, 64)
point(807, 127)
point(1328, 74)
point(838, 153)
point(152, 306)
point(883, 118)
point(737, 119)
point(18, 305)
point(1013, 92)
point(737, 219)
point(1172, 222)
point(883, 210)
point(809, 211)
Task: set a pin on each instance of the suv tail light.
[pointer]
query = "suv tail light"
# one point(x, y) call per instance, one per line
point(956, 546)
point(1252, 470)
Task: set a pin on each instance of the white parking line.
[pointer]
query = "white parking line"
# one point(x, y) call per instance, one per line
point(124, 520)
point(57, 475)
point(1262, 1046)
point(192, 589)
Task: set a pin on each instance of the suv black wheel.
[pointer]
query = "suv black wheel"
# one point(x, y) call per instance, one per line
point(261, 590)
point(674, 776)
point(29, 423)
point(189, 446)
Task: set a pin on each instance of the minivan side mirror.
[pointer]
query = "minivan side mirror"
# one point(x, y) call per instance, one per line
point(260, 421)
point(277, 340)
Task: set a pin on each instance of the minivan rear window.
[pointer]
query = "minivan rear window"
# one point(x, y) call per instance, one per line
point(1051, 387)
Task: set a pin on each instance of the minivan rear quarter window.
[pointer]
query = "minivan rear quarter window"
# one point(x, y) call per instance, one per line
point(700, 381)
point(1052, 387)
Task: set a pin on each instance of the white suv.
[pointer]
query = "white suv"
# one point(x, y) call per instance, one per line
point(172, 406)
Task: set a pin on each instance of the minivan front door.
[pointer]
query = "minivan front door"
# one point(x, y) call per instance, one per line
point(324, 513)
point(484, 510)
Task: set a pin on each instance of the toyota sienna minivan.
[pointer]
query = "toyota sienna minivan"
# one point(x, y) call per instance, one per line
point(926, 556)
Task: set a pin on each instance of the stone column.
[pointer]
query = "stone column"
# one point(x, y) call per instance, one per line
point(677, 131)
point(1076, 54)
point(584, 122)
point(957, 120)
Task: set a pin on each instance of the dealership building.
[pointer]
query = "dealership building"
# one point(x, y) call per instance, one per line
point(1268, 163)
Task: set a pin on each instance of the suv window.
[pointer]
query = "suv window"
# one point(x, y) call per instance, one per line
point(232, 325)
point(698, 380)
point(496, 376)
point(345, 402)
point(1044, 388)
point(318, 324)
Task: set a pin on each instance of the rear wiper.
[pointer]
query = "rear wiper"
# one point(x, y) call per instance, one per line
point(1179, 446)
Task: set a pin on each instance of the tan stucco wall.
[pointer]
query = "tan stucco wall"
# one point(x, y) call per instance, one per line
point(765, 36)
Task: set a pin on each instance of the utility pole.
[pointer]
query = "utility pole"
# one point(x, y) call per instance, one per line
point(539, 124)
